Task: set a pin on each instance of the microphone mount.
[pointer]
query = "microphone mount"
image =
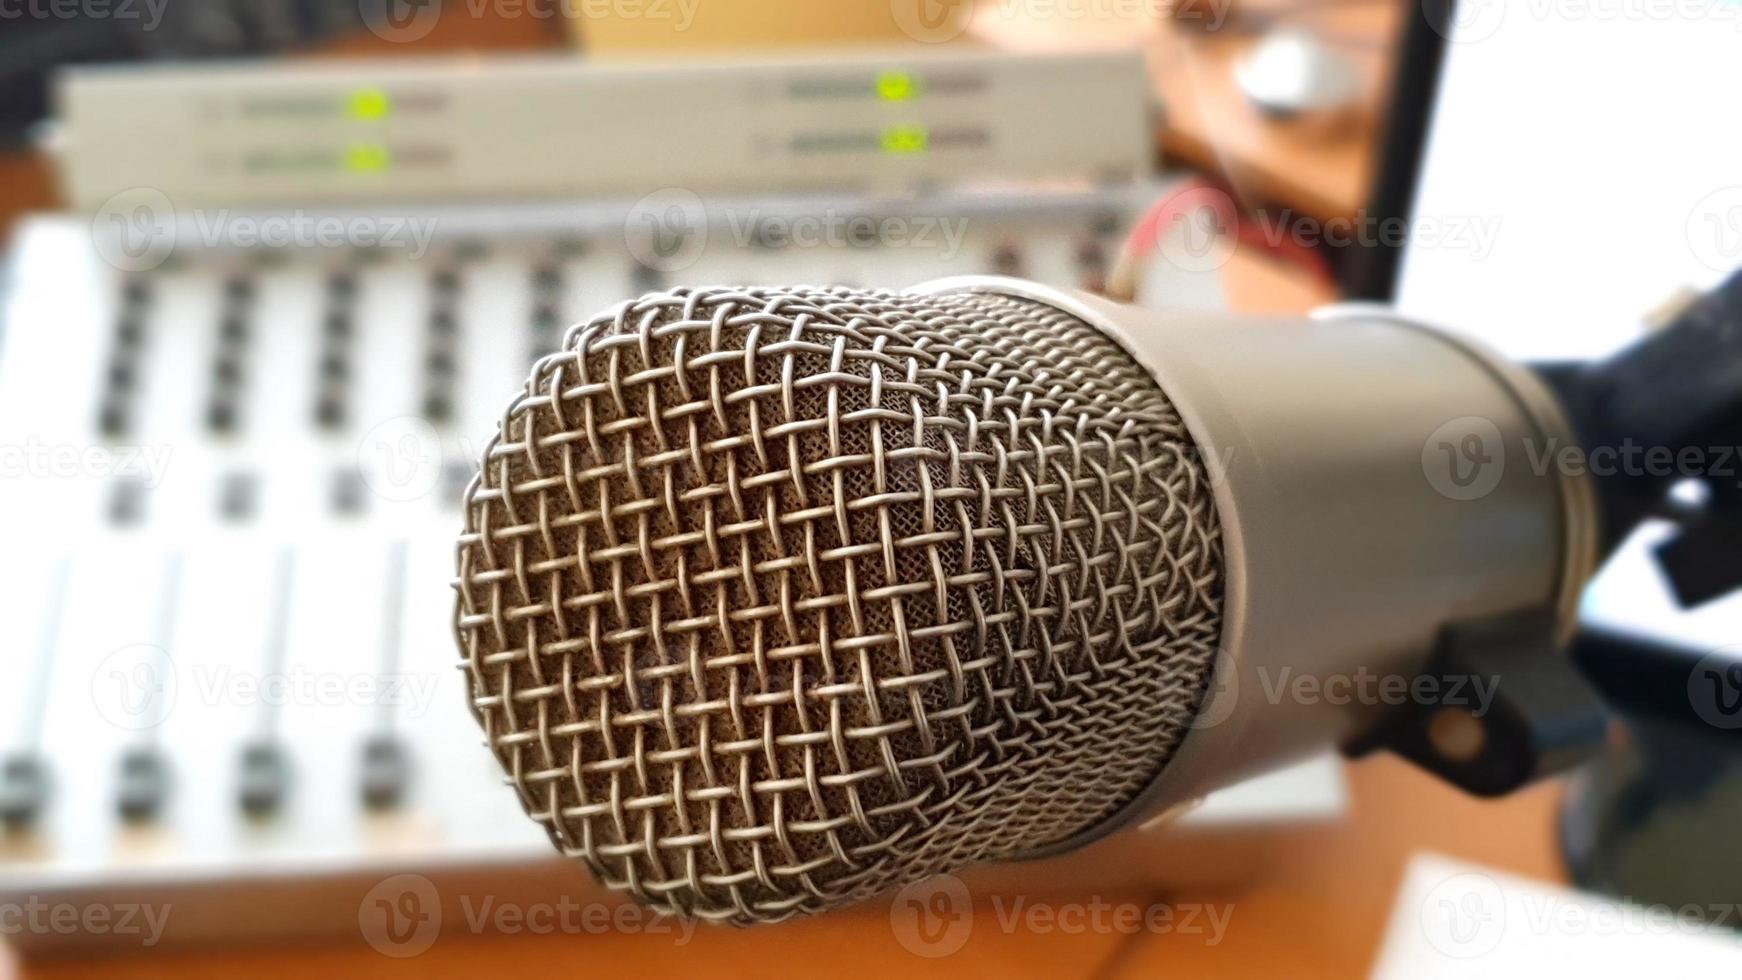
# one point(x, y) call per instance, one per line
point(1671, 400)
point(1662, 412)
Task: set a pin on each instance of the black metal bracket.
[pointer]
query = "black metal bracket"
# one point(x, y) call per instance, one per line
point(1666, 410)
point(1509, 707)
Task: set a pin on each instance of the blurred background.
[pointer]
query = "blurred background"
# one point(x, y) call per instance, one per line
point(274, 267)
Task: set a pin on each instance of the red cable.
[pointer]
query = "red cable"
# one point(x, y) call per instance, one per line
point(1260, 234)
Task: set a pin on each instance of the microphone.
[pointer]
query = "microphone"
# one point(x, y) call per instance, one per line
point(774, 599)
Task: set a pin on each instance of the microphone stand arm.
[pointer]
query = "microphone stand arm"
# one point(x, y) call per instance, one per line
point(1664, 411)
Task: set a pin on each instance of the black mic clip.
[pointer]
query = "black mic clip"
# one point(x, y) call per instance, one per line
point(1668, 411)
point(1507, 708)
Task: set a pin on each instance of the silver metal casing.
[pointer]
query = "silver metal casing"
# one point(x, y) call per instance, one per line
point(1348, 547)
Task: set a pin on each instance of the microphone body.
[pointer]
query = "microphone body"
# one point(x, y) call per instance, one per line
point(1375, 484)
point(773, 600)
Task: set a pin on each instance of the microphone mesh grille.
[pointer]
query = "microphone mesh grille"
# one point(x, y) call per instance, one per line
point(773, 599)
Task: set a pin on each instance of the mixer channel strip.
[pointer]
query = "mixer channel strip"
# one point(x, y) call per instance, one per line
point(229, 359)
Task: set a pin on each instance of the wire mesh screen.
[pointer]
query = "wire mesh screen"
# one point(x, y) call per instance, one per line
point(773, 599)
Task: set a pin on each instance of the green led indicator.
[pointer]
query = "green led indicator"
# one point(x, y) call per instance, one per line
point(904, 139)
point(896, 86)
point(366, 158)
point(369, 103)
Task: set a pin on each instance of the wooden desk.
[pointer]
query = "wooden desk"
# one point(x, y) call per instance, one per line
point(1321, 914)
